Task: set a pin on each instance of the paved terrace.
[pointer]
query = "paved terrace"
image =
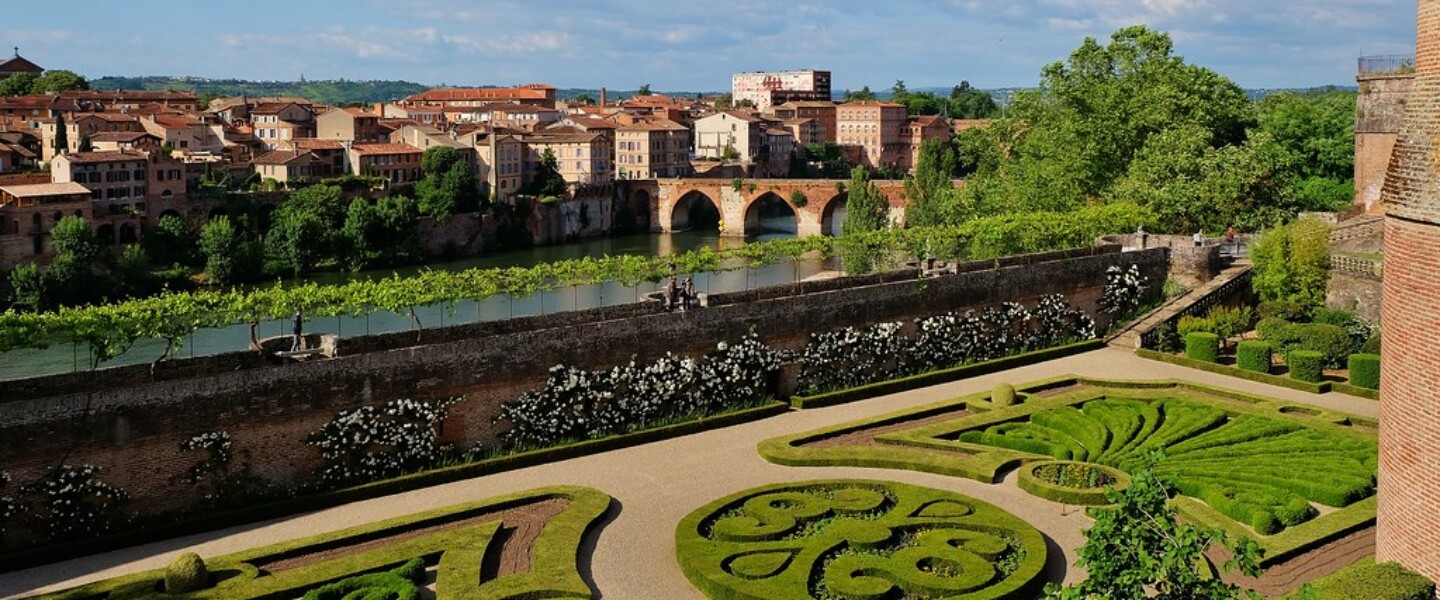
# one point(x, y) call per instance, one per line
point(656, 485)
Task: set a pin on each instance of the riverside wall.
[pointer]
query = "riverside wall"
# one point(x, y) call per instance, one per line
point(131, 422)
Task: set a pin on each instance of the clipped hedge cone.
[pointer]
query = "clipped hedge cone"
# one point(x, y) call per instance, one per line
point(186, 574)
point(1003, 395)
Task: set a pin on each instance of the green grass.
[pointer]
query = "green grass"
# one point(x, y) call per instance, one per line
point(459, 552)
point(845, 539)
point(1256, 463)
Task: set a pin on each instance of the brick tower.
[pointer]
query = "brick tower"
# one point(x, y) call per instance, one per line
point(1409, 514)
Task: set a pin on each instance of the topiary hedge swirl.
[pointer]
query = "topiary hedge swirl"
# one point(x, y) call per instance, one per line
point(852, 539)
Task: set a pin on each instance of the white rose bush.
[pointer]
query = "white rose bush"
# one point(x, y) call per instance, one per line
point(851, 356)
point(575, 404)
point(1124, 290)
point(376, 442)
point(70, 502)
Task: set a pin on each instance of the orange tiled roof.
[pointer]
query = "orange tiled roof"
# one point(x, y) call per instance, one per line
point(386, 149)
point(104, 157)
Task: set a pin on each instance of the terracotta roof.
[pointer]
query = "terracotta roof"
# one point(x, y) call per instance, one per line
point(799, 121)
point(317, 144)
point(18, 149)
point(871, 103)
point(121, 136)
point(742, 115)
point(283, 157)
point(385, 149)
point(563, 138)
point(35, 190)
point(808, 104)
point(271, 108)
point(654, 125)
point(103, 157)
point(17, 63)
point(530, 92)
point(111, 117)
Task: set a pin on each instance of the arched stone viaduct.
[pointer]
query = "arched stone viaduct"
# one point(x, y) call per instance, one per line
point(666, 203)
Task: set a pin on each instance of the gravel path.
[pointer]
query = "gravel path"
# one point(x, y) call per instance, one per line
point(658, 484)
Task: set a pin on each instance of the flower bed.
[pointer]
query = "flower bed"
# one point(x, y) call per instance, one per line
point(1070, 482)
point(843, 539)
point(391, 554)
point(1257, 464)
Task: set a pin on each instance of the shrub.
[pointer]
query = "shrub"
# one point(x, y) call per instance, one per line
point(1230, 321)
point(1189, 325)
point(1367, 579)
point(1284, 310)
point(186, 574)
point(1306, 365)
point(1331, 341)
point(1203, 346)
point(1371, 345)
point(1274, 330)
point(1254, 356)
point(1166, 338)
point(1003, 395)
point(1333, 316)
point(1365, 371)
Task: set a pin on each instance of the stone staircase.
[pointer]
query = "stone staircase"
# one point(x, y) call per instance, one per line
point(1196, 300)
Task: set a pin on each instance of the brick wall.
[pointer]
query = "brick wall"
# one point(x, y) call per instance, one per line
point(133, 432)
point(1409, 469)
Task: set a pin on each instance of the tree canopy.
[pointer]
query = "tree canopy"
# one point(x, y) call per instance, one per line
point(449, 184)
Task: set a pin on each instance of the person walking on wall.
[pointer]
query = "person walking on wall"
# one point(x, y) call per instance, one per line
point(689, 292)
point(299, 331)
point(1230, 238)
point(671, 290)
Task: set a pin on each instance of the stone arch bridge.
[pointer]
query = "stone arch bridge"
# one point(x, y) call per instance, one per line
point(664, 205)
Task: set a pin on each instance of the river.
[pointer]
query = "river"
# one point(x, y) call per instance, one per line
point(66, 357)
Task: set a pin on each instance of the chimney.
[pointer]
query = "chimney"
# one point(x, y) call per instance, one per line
point(1427, 40)
point(602, 97)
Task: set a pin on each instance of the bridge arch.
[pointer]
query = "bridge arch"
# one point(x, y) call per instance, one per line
point(770, 213)
point(694, 210)
point(639, 203)
point(832, 214)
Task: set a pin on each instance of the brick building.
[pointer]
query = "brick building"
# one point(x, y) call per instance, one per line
point(1408, 515)
point(1384, 83)
point(28, 213)
point(652, 149)
point(877, 129)
point(768, 88)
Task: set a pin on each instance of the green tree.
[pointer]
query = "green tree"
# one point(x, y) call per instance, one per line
point(583, 98)
point(643, 91)
point(18, 84)
point(930, 189)
point(1318, 130)
point(28, 288)
point(866, 210)
point(724, 101)
point(1138, 550)
point(171, 242)
point(60, 80)
point(449, 184)
point(1292, 263)
point(1065, 144)
point(62, 135)
point(966, 102)
point(73, 239)
point(548, 182)
point(381, 233)
point(298, 238)
point(854, 96)
point(132, 274)
point(85, 144)
point(228, 255)
point(745, 103)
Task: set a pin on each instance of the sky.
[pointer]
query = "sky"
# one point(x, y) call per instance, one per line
point(693, 45)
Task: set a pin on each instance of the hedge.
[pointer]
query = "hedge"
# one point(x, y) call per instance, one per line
point(1212, 444)
point(904, 384)
point(1254, 356)
point(1031, 482)
point(554, 559)
point(858, 539)
point(1306, 365)
point(1370, 580)
point(1203, 346)
point(1357, 391)
point(1304, 386)
point(405, 483)
point(1365, 371)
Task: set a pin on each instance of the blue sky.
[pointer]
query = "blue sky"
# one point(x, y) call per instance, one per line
point(692, 45)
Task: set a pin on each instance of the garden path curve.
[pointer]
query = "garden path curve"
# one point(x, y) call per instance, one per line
point(657, 484)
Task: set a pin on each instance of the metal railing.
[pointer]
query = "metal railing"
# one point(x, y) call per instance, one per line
point(1202, 305)
point(1393, 64)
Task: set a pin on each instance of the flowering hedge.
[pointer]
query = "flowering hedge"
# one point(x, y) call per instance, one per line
point(1124, 290)
point(376, 442)
point(69, 502)
point(578, 404)
point(852, 357)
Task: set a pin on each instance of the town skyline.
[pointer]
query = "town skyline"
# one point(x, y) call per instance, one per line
point(625, 45)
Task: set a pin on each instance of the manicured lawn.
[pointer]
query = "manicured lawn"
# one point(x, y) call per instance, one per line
point(843, 539)
point(455, 540)
point(1249, 464)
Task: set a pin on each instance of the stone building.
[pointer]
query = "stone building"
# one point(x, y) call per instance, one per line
point(1384, 82)
point(1408, 515)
